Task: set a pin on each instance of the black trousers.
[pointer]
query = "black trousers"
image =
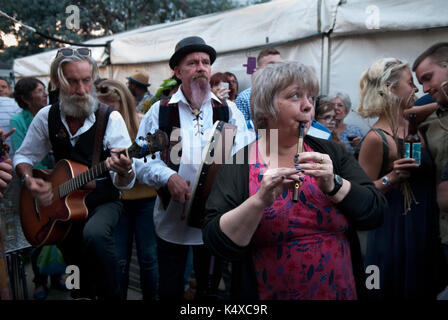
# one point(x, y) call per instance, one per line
point(90, 245)
point(172, 259)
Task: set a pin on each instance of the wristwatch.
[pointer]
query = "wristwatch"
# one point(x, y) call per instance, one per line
point(337, 185)
point(385, 181)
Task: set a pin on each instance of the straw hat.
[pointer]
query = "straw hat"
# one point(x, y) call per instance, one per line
point(140, 77)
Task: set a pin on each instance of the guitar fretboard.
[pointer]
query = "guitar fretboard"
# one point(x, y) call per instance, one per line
point(82, 179)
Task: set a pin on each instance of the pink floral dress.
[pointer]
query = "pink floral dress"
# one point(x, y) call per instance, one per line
point(300, 250)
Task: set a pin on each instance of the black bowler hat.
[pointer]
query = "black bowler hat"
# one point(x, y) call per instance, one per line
point(189, 45)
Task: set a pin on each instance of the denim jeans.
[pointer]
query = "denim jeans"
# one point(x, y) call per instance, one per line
point(137, 219)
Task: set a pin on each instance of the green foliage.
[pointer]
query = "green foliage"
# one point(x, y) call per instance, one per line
point(97, 18)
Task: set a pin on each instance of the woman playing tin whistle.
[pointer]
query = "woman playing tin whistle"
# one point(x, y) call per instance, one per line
point(282, 249)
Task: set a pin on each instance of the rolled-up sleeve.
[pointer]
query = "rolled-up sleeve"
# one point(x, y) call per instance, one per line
point(117, 136)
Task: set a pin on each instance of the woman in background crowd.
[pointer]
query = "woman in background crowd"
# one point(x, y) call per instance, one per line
point(325, 114)
point(349, 134)
point(233, 81)
point(406, 248)
point(137, 217)
point(220, 86)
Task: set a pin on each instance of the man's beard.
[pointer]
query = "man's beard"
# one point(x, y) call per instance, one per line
point(200, 90)
point(78, 106)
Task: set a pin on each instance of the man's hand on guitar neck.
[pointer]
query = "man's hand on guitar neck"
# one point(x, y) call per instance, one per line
point(122, 165)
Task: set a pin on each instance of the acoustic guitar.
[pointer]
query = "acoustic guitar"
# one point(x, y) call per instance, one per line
point(45, 225)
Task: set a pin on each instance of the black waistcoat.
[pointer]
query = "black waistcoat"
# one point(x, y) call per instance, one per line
point(82, 153)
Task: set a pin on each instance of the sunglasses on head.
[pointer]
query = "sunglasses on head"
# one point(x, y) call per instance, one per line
point(68, 52)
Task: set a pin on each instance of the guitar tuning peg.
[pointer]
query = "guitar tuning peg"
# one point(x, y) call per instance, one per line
point(144, 160)
point(153, 156)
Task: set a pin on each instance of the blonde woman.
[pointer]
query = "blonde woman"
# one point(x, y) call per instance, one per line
point(405, 247)
point(137, 217)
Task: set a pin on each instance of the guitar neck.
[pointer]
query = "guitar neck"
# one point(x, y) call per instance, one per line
point(87, 176)
point(82, 179)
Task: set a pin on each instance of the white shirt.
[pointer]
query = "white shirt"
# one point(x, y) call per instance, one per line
point(8, 108)
point(168, 223)
point(37, 144)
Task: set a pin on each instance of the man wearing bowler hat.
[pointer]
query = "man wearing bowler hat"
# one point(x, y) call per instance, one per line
point(193, 108)
point(138, 85)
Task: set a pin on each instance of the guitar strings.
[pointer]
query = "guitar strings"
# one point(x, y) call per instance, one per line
point(82, 179)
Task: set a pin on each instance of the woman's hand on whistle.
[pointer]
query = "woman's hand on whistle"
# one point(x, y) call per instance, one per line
point(274, 182)
point(317, 165)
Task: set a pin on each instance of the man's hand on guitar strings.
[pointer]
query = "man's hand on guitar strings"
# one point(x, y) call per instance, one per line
point(41, 190)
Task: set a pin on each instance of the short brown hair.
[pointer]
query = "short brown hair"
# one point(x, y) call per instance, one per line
point(267, 52)
point(438, 53)
point(216, 78)
point(23, 90)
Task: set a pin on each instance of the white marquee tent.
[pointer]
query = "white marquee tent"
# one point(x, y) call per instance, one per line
point(340, 38)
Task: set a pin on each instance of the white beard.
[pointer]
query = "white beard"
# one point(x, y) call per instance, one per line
point(200, 91)
point(77, 106)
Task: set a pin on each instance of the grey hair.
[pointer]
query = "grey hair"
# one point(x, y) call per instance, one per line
point(271, 80)
point(57, 76)
point(345, 99)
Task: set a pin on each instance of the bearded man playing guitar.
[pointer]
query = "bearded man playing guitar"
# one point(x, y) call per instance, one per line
point(74, 128)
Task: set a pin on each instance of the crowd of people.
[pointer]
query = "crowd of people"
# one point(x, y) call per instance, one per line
point(283, 216)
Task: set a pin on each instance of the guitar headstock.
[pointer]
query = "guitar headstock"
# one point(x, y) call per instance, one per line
point(152, 143)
